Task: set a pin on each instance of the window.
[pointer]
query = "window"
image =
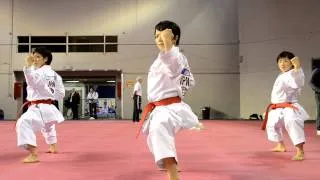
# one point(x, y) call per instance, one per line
point(52, 48)
point(85, 48)
point(48, 39)
point(111, 39)
point(66, 44)
point(23, 39)
point(85, 39)
point(111, 47)
point(23, 42)
point(23, 48)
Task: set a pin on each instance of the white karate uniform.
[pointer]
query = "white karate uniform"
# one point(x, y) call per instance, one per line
point(42, 83)
point(137, 89)
point(93, 97)
point(286, 89)
point(169, 76)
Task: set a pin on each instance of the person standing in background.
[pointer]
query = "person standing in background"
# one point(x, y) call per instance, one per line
point(315, 85)
point(93, 100)
point(74, 102)
point(136, 95)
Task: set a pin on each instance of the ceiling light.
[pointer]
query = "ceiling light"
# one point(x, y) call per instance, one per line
point(72, 81)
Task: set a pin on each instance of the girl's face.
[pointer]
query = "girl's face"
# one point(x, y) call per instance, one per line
point(162, 37)
point(285, 64)
point(38, 60)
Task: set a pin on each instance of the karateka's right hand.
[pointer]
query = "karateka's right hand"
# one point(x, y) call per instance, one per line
point(296, 62)
point(29, 60)
point(168, 39)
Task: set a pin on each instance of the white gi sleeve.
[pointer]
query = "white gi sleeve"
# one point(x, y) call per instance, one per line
point(32, 77)
point(178, 66)
point(295, 78)
point(173, 61)
point(59, 89)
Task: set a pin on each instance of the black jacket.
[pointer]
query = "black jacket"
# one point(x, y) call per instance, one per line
point(315, 80)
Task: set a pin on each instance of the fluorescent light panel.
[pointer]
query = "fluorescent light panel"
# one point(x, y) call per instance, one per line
point(72, 81)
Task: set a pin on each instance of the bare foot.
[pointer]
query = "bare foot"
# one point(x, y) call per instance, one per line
point(299, 156)
point(279, 148)
point(31, 158)
point(52, 149)
point(198, 127)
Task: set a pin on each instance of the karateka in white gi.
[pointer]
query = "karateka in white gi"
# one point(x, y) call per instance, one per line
point(43, 86)
point(169, 78)
point(287, 112)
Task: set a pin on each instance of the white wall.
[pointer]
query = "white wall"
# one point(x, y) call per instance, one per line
point(267, 27)
point(6, 78)
point(209, 36)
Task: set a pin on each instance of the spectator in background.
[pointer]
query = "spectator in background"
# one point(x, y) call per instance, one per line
point(93, 100)
point(315, 85)
point(136, 95)
point(74, 103)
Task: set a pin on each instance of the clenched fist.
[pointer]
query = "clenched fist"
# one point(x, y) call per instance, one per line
point(168, 39)
point(296, 62)
point(29, 60)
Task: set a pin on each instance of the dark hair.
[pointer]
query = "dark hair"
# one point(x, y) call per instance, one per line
point(285, 54)
point(162, 25)
point(45, 53)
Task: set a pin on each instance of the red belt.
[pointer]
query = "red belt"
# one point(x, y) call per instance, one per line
point(29, 103)
point(276, 106)
point(42, 101)
point(149, 108)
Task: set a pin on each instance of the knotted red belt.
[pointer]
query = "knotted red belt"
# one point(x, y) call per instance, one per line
point(149, 108)
point(276, 106)
point(41, 101)
point(29, 103)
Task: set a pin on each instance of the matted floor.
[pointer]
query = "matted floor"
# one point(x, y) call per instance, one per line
point(108, 150)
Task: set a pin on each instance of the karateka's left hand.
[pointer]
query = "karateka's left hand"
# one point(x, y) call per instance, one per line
point(29, 60)
point(296, 62)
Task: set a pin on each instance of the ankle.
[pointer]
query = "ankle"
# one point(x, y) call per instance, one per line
point(53, 145)
point(299, 147)
point(281, 145)
point(300, 151)
point(31, 149)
